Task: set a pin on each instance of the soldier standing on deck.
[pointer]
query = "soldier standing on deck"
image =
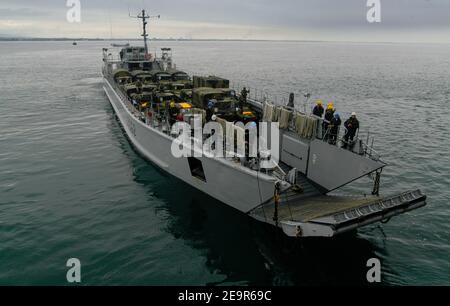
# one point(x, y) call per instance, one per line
point(335, 124)
point(244, 94)
point(318, 109)
point(352, 126)
point(329, 114)
point(243, 98)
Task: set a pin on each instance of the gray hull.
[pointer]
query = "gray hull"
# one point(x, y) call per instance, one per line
point(238, 187)
point(308, 214)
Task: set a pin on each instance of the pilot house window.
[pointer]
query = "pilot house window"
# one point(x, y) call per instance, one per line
point(197, 168)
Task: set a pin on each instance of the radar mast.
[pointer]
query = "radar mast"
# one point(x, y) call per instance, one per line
point(144, 16)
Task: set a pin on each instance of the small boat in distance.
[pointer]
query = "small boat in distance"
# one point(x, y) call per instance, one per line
point(120, 45)
point(74, 43)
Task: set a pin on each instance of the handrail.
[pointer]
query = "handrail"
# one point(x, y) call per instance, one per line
point(367, 149)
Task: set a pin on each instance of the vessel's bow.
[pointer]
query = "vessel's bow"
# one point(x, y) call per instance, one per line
point(327, 216)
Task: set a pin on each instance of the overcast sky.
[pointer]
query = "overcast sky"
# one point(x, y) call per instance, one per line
point(334, 20)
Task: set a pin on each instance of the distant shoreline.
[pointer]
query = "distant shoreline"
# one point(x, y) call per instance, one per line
point(138, 39)
point(43, 39)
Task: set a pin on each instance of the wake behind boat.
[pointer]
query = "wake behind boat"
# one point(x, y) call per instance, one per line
point(151, 97)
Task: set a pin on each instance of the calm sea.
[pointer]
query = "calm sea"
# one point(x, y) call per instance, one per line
point(72, 187)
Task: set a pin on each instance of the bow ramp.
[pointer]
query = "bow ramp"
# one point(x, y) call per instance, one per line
point(328, 216)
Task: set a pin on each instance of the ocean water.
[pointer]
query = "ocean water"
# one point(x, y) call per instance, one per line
point(71, 186)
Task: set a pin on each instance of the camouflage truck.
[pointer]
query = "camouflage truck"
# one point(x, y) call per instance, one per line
point(215, 101)
point(168, 102)
point(222, 102)
point(181, 77)
point(162, 97)
point(210, 81)
point(121, 73)
point(161, 76)
point(144, 77)
point(176, 88)
point(149, 88)
point(163, 79)
point(146, 93)
point(246, 113)
point(130, 89)
point(182, 93)
point(186, 95)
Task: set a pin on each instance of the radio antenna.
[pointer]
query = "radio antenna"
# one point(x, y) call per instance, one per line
point(144, 16)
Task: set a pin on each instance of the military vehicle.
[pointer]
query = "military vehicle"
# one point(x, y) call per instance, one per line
point(185, 94)
point(142, 76)
point(161, 76)
point(180, 77)
point(210, 81)
point(215, 101)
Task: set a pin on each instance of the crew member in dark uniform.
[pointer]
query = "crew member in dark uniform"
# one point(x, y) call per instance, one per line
point(329, 114)
point(335, 124)
point(139, 86)
point(243, 98)
point(352, 126)
point(244, 94)
point(318, 110)
point(210, 109)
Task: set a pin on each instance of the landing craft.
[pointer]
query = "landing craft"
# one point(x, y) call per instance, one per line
point(293, 194)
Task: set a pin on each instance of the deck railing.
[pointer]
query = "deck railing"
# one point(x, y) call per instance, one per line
point(259, 97)
point(358, 145)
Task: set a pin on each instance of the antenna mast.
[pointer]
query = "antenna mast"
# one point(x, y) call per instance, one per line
point(144, 16)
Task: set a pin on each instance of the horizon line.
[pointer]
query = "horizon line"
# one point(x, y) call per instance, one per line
point(12, 38)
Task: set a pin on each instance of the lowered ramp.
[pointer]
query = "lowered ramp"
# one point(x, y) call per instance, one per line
point(327, 216)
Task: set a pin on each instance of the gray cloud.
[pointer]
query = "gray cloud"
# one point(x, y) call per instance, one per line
point(323, 17)
point(22, 13)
